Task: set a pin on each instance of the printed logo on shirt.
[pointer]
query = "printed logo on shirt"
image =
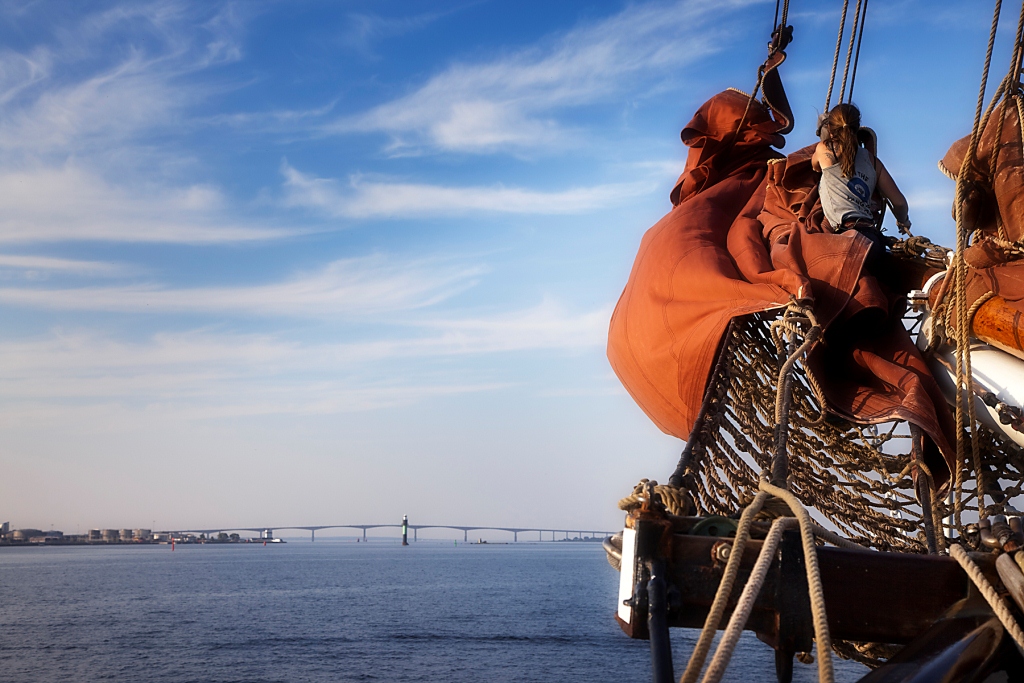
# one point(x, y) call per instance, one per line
point(859, 188)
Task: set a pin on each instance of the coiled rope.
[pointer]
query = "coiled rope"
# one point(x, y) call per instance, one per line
point(676, 500)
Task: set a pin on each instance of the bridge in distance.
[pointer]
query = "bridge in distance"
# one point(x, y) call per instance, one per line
point(515, 531)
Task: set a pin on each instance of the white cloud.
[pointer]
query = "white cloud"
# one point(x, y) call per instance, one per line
point(48, 204)
point(77, 114)
point(61, 265)
point(375, 199)
point(65, 98)
point(204, 374)
point(358, 286)
point(546, 326)
point(509, 103)
point(363, 30)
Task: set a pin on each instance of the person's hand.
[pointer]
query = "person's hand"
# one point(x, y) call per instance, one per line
point(904, 226)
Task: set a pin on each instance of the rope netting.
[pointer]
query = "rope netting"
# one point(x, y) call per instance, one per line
point(855, 478)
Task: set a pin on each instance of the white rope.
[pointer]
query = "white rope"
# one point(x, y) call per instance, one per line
point(745, 606)
point(814, 590)
point(732, 568)
point(741, 613)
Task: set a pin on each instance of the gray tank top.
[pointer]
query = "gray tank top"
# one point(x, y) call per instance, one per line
point(845, 198)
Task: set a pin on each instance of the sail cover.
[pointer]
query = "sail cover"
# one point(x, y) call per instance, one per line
point(746, 235)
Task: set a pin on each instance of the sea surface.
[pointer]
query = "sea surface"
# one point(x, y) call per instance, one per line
point(329, 611)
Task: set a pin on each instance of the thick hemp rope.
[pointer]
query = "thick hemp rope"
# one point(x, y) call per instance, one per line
point(822, 637)
point(741, 613)
point(676, 501)
point(745, 605)
point(732, 568)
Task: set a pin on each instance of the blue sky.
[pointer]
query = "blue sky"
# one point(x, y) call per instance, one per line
point(315, 262)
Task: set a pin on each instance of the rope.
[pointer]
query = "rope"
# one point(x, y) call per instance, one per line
point(856, 57)
point(835, 59)
point(785, 14)
point(822, 637)
point(745, 605)
point(849, 50)
point(676, 500)
point(993, 598)
point(783, 332)
point(961, 334)
point(732, 568)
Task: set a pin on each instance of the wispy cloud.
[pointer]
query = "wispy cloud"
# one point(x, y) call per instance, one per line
point(359, 286)
point(360, 198)
point(510, 103)
point(363, 30)
point(545, 326)
point(74, 93)
point(71, 203)
point(78, 112)
point(47, 264)
point(204, 374)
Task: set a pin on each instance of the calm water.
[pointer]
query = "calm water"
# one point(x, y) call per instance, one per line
point(327, 611)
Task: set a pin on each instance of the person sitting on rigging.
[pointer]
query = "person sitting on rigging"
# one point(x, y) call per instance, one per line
point(849, 175)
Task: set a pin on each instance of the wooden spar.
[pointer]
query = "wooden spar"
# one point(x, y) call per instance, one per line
point(996, 322)
point(1001, 325)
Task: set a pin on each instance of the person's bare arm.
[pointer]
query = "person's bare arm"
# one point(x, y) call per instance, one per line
point(887, 186)
point(822, 157)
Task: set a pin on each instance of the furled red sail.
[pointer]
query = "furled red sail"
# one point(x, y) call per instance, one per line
point(709, 260)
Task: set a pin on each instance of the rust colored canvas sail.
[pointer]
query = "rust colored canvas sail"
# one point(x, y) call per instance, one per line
point(994, 197)
point(746, 235)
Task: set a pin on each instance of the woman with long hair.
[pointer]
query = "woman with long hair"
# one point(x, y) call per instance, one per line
point(849, 175)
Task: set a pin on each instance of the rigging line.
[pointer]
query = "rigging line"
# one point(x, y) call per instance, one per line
point(849, 50)
point(775, 21)
point(962, 328)
point(835, 59)
point(1011, 85)
point(984, 76)
point(856, 57)
point(1018, 52)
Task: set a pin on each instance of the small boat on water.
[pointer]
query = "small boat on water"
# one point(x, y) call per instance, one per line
point(853, 421)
